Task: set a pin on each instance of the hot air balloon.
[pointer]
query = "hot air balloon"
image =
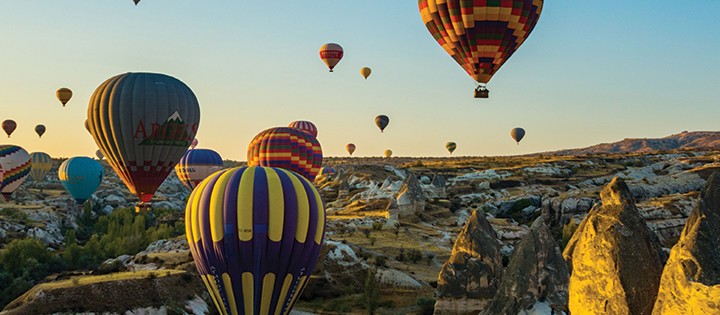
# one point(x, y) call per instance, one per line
point(15, 163)
point(136, 2)
point(196, 165)
point(194, 143)
point(350, 148)
point(9, 126)
point(365, 72)
point(63, 95)
point(80, 176)
point(388, 153)
point(450, 146)
point(40, 130)
point(255, 235)
point(327, 170)
point(99, 155)
point(480, 35)
point(143, 123)
point(382, 121)
point(40, 165)
point(517, 134)
point(331, 54)
point(306, 126)
point(87, 127)
point(286, 148)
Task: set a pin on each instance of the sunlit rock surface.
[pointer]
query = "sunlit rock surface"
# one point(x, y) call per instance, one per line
point(691, 279)
point(615, 259)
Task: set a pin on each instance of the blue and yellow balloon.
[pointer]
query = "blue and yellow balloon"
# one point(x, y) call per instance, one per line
point(80, 176)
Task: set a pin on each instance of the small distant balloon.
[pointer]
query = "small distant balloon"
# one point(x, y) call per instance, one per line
point(40, 130)
point(517, 134)
point(99, 155)
point(365, 72)
point(382, 121)
point(451, 146)
point(388, 153)
point(305, 126)
point(331, 54)
point(63, 95)
point(9, 126)
point(194, 143)
point(350, 148)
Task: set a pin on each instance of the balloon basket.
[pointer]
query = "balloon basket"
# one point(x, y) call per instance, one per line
point(143, 207)
point(482, 92)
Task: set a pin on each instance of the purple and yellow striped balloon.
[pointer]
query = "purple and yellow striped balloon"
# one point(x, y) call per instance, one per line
point(255, 235)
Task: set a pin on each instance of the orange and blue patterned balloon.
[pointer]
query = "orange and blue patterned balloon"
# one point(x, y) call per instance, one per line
point(255, 235)
point(306, 126)
point(480, 35)
point(286, 148)
point(196, 165)
point(15, 163)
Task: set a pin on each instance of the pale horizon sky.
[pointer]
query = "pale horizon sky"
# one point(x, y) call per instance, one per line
point(591, 72)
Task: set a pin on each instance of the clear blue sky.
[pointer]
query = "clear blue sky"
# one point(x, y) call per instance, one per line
point(591, 72)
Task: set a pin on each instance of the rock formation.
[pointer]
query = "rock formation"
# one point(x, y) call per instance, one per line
point(410, 198)
point(614, 258)
point(470, 278)
point(536, 273)
point(691, 280)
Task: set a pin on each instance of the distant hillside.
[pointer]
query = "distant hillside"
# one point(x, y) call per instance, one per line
point(695, 140)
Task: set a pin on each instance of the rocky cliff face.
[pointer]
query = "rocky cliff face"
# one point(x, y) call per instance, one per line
point(691, 280)
point(470, 278)
point(615, 259)
point(536, 273)
point(410, 198)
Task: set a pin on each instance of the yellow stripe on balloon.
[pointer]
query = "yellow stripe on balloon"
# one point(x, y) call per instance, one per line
point(267, 291)
point(196, 235)
point(213, 293)
point(303, 217)
point(276, 217)
point(229, 292)
point(217, 229)
point(283, 294)
point(248, 291)
point(300, 285)
point(245, 205)
point(321, 218)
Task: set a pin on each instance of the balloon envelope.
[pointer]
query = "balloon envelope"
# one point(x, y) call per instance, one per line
point(255, 235)
point(40, 165)
point(350, 148)
point(305, 126)
point(286, 148)
point(80, 176)
point(9, 126)
point(15, 163)
point(196, 165)
point(517, 134)
point(143, 123)
point(365, 72)
point(194, 143)
point(99, 154)
point(451, 146)
point(63, 95)
point(480, 35)
point(382, 121)
point(388, 153)
point(40, 130)
point(331, 54)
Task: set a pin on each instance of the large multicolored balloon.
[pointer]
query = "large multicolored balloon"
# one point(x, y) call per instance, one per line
point(80, 176)
point(40, 165)
point(350, 148)
point(382, 121)
point(255, 235)
point(365, 72)
point(387, 153)
point(9, 126)
point(40, 130)
point(451, 146)
point(480, 35)
point(194, 143)
point(286, 148)
point(63, 95)
point(196, 165)
point(331, 54)
point(306, 126)
point(15, 163)
point(517, 134)
point(143, 123)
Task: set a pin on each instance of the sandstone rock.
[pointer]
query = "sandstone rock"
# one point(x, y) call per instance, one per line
point(615, 259)
point(536, 273)
point(691, 280)
point(470, 278)
point(410, 198)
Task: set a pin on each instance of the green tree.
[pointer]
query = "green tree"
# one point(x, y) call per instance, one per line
point(372, 292)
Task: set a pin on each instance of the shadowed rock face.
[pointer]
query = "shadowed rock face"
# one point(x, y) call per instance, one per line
point(691, 280)
point(536, 273)
point(614, 258)
point(470, 278)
